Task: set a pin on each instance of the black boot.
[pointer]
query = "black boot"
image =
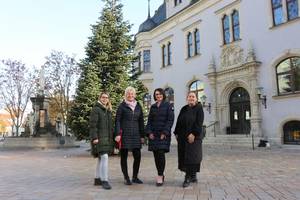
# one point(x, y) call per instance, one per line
point(194, 177)
point(106, 185)
point(137, 180)
point(97, 181)
point(127, 181)
point(186, 181)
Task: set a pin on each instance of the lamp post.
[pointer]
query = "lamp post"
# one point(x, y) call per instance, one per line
point(261, 97)
point(205, 105)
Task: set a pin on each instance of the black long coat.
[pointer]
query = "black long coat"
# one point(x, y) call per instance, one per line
point(190, 120)
point(160, 121)
point(132, 125)
point(101, 128)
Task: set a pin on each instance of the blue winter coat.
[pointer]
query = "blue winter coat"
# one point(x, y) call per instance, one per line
point(160, 121)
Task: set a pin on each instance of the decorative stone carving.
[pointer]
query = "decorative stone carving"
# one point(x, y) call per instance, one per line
point(212, 65)
point(231, 55)
point(251, 54)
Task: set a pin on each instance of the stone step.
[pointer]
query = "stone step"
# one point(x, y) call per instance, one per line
point(231, 141)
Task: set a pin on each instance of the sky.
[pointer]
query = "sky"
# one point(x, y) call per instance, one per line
point(30, 29)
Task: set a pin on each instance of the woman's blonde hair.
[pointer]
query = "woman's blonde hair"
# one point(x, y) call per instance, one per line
point(108, 105)
point(129, 89)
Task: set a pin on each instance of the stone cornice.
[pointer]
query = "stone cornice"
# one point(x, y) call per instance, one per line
point(234, 69)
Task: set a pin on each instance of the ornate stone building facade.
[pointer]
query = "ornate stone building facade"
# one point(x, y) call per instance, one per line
point(242, 57)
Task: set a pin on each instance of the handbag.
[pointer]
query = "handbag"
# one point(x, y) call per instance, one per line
point(119, 144)
point(94, 150)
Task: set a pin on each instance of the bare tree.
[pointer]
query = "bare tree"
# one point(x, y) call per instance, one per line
point(61, 72)
point(17, 85)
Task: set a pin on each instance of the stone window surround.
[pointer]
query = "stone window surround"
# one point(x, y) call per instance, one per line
point(273, 64)
point(191, 29)
point(228, 10)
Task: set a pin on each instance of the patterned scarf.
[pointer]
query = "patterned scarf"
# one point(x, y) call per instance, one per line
point(131, 104)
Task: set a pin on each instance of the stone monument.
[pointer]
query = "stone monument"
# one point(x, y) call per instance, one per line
point(40, 105)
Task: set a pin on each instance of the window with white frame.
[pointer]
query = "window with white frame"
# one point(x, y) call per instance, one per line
point(166, 51)
point(197, 41)
point(284, 10)
point(193, 43)
point(169, 53)
point(226, 29)
point(198, 88)
point(235, 25)
point(164, 55)
point(190, 45)
point(292, 9)
point(288, 76)
point(139, 61)
point(231, 27)
point(169, 95)
point(176, 2)
point(147, 60)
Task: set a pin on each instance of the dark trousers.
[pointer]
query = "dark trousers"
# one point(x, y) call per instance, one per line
point(136, 163)
point(160, 161)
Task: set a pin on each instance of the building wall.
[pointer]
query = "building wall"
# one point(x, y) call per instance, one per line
point(270, 44)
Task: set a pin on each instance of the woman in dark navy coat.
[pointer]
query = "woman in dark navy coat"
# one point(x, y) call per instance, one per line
point(158, 129)
point(189, 134)
point(130, 121)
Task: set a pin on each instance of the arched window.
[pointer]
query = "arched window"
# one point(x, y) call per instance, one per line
point(147, 101)
point(197, 41)
point(235, 25)
point(164, 55)
point(226, 29)
point(292, 9)
point(277, 12)
point(169, 94)
point(291, 131)
point(288, 76)
point(198, 88)
point(190, 44)
point(169, 54)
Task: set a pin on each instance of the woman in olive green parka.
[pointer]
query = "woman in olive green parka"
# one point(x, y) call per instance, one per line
point(101, 138)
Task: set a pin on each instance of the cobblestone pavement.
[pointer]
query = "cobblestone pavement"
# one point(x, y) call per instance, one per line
point(225, 174)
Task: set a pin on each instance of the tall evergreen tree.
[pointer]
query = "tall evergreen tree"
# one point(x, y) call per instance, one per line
point(110, 51)
point(86, 93)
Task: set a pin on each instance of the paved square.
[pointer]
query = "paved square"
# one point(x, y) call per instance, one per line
point(226, 174)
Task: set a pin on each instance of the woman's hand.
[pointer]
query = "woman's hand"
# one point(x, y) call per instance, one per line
point(95, 141)
point(118, 138)
point(163, 136)
point(191, 138)
point(151, 136)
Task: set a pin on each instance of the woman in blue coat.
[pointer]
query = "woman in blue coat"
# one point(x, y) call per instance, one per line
point(158, 129)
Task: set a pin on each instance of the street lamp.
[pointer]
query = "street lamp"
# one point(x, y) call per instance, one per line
point(261, 97)
point(205, 104)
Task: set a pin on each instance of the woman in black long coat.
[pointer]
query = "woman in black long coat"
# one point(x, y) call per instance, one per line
point(188, 132)
point(129, 131)
point(158, 129)
point(102, 141)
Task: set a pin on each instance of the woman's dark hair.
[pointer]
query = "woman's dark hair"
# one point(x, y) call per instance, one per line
point(161, 91)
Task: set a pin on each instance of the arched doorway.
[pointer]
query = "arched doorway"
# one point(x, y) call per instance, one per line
point(291, 132)
point(239, 112)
